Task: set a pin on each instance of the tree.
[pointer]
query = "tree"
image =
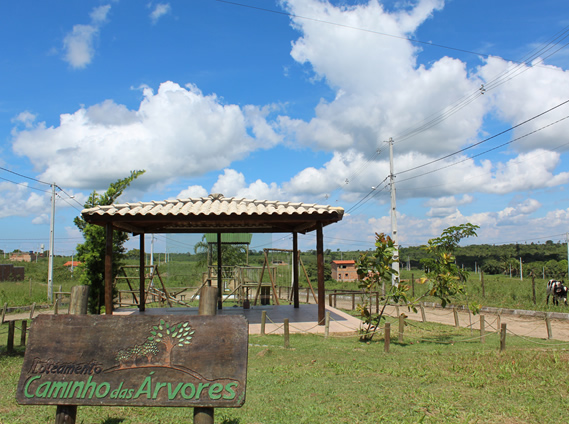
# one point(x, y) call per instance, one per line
point(92, 252)
point(231, 254)
point(373, 268)
point(444, 278)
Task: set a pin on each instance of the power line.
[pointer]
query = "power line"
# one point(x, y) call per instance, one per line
point(25, 176)
point(486, 151)
point(413, 40)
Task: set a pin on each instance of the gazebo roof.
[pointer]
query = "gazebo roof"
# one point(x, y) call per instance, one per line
point(213, 214)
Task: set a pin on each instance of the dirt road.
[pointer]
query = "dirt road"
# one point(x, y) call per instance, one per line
point(519, 325)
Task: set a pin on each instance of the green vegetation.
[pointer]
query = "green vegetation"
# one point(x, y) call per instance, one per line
point(437, 375)
point(92, 252)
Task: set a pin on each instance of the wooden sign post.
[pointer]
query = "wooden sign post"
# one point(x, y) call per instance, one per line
point(142, 360)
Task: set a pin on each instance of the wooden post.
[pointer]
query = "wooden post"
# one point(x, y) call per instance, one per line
point(327, 328)
point(387, 341)
point(32, 310)
point(23, 332)
point(423, 317)
point(455, 312)
point(320, 265)
point(78, 300)
point(67, 414)
point(308, 295)
point(109, 269)
point(263, 321)
point(533, 287)
point(482, 329)
point(208, 300)
point(548, 324)
point(413, 285)
point(56, 306)
point(353, 301)
point(10, 341)
point(141, 275)
point(499, 320)
point(4, 311)
point(295, 271)
point(286, 334)
point(335, 299)
point(503, 338)
point(330, 299)
point(401, 327)
point(377, 303)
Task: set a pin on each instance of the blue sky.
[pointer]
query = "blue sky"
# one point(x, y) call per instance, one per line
point(290, 100)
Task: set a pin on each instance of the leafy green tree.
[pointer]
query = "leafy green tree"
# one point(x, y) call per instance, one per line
point(91, 253)
point(231, 254)
point(444, 277)
point(373, 269)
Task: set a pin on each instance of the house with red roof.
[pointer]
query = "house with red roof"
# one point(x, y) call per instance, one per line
point(344, 270)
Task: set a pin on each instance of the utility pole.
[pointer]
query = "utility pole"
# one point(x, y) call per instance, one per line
point(395, 265)
point(50, 261)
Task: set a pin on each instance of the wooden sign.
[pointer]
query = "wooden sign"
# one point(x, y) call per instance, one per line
point(141, 360)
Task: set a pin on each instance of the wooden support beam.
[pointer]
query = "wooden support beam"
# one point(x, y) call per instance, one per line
point(109, 269)
point(142, 275)
point(296, 300)
point(320, 264)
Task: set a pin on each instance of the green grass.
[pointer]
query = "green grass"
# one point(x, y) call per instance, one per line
point(438, 374)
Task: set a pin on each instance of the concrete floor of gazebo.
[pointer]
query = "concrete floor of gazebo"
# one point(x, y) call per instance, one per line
point(301, 320)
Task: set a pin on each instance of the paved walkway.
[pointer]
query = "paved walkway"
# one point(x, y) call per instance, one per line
point(301, 320)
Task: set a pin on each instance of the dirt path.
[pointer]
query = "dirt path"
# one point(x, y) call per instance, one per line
point(518, 325)
point(523, 326)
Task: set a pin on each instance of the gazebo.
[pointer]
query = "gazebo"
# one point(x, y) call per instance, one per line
point(214, 214)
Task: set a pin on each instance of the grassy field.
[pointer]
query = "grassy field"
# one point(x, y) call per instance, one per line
point(437, 375)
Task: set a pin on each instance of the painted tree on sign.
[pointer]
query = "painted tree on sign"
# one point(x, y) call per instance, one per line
point(177, 335)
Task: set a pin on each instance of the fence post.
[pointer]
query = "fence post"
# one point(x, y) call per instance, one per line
point(4, 311)
point(455, 312)
point(308, 295)
point(413, 285)
point(32, 310)
point(377, 302)
point(533, 287)
point(387, 341)
point(330, 299)
point(286, 334)
point(401, 327)
point(353, 301)
point(23, 332)
point(503, 338)
point(263, 321)
point(423, 317)
point(327, 325)
point(482, 329)
point(498, 320)
point(10, 342)
point(548, 324)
